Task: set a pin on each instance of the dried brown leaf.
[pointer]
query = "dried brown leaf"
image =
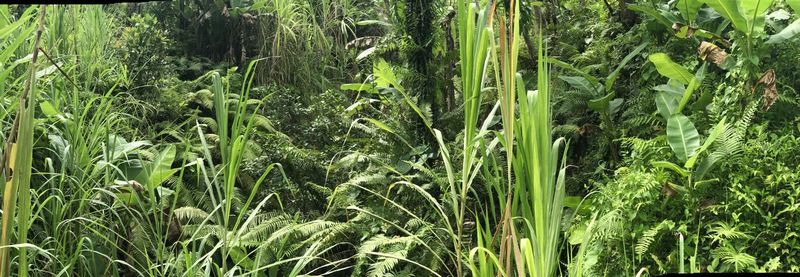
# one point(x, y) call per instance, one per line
point(770, 88)
point(712, 52)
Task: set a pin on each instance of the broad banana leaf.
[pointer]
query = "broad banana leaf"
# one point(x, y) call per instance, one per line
point(682, 136)
point(670, 69)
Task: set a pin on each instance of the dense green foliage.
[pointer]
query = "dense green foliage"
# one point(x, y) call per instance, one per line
point(400, 138)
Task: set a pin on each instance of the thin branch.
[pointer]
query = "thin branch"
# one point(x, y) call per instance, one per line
point(58, 67)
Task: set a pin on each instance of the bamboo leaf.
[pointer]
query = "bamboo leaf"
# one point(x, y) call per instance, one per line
point(22, 164)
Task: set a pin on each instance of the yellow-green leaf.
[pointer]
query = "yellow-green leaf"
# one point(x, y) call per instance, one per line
point(670, 69)
point(48, 109)
point(729, 9)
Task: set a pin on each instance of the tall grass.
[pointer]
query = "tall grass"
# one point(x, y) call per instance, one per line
point(235, 126)
point(18, 162)
point(507, 83)
point(540, 179)
point(534, 193)
point(473, 38)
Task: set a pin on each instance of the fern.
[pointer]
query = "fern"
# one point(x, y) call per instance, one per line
point(191, 214)
point(643, 149)
point(649, 236)
point(260, 232)
point(386, 263)
point(734, 257)
point(610, 225)
point(395, 248)
point(721, 232)
point(730, 144)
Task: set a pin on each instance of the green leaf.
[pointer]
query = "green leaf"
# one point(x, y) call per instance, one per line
point(161, 168)
point(578, 82)
point(795, 4)
point(787, 33)
point(576, 236)
point(358, 87)
point(730, 11)
point(710, 140)
point(753, 12)
point(687, 94)
point(655, 14)
point(384, 75)
point(666, 104)
point(682, 136)
point(689, 8)
point(705, 98)
point(613, 76)
point(592, 80)
point(48, 109)
point(673, 88)
point(601, 104)
point(613, 106)
point(670, 166)
point(666, 67)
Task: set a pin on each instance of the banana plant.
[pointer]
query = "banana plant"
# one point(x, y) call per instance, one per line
point(681, 133)
point(691, 20)
point(747, 18)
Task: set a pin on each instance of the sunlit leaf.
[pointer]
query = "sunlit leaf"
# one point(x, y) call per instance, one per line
point(670, 69)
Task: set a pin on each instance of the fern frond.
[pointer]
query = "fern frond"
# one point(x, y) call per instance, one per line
point(190, 214)
point(649, 236)
point(721, 231)
point(731, 256)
